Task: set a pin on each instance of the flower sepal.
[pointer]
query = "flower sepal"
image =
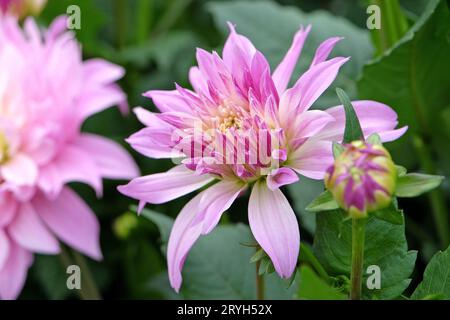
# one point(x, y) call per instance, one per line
point(323, 202)
point(265, 264)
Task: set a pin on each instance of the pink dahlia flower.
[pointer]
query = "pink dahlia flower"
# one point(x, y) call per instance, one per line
point(241, 127)
point(46, 93)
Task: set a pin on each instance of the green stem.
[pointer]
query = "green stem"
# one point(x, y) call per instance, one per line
point(358, 233)
point(144, 18)
point(307, 256)
point(120, 13)
point(259, 282)
point(87, 280)
point(435, 197)
point(88, 289)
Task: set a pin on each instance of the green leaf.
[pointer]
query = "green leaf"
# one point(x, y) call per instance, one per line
point(353, 129)
point(415, 184)
point(218, 267)
point(160, 284)
point(271, 27)
point(323, 202)
point(413, 79)
point(390, 214)
point(141, 261)
point(436, 279)
point(438, 296)
point(175, 51)
point(385, 246)
point(312, 287)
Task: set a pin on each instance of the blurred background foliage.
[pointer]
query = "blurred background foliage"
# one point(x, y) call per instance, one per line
point(155, 41)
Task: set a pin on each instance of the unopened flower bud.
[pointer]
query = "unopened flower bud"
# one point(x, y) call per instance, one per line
point(362, 178)
point(124, 225)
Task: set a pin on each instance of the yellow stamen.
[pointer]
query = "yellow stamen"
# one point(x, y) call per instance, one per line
point(4, 149)
point(228, 118)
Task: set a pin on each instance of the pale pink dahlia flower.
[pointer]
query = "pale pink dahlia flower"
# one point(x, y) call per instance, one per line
point(46, 93)
point(239, 104)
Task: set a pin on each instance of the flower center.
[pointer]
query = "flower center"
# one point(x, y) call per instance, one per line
point(230, 122)
point(4, 149)
point(228, 117)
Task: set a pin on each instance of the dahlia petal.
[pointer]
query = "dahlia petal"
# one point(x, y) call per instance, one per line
point(100, 71)
point(316, 80)
point(238, 50)
point(69, 218)
point(32, 31)
point(168, 100)
point(197, 81)
point(262, 81)
point(280, 177)
point(151, 119)
point(311, 122)
point(391, 135)
point(72, 164)
point(100, 99)
point(324, 50)
point(289, 102)
point(28, 230)
point(375, 117)
point(4, 4)
point(40, 146)
point(8, 207)
point(163, 187)
point(212, 68)
point(20, 170)
point(122, 104)
point(145, 117)
point(14, 272)
point(112, 160)
point(274, 225)
point(198, 217)
point(179, 120)
point(4, 248)
point(57, 27)
point(154, 143)
point(283, 72)
point(312, 159)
